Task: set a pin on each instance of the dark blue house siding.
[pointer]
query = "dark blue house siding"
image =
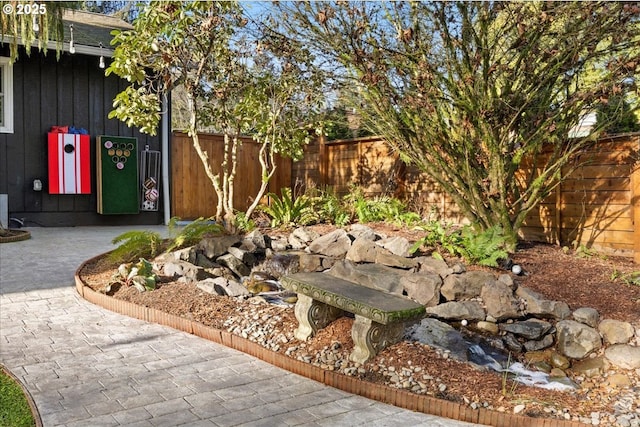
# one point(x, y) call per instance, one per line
point(72, 91)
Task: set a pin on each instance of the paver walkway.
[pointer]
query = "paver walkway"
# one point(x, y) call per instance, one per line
point(86, 366)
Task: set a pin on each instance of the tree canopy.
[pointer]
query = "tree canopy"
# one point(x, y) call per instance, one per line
point(41, 25)
point(474, 93)
point(235, 80)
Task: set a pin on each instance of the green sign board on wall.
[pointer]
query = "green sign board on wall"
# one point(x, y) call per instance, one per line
point(117, 175)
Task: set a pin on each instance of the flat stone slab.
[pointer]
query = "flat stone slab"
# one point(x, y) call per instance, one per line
point(379, 306)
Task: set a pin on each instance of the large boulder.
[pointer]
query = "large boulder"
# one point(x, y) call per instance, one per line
point(532, 329)
point(357, 231)
point(216, 246)
point(234, 264)
point(373, 276)
point(587, 315)
point(396, 245)
point(499, 300)
point(623, 356)
point(542, 307)
point(577, 340)
point(335, 244)
point(435, 333)
point(616, 331)
point(185, 271)
point(465, 286)
point(222, 286)
point(364, 250)
point(433, 265)
point(423, 288)
point(464, 310)
point(301, 237)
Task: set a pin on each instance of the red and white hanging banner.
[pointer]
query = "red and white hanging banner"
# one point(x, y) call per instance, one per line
point(69, 164)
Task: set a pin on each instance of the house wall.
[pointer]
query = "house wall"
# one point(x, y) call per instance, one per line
point(72, 91)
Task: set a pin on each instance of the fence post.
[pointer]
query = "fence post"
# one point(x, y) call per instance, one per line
point(322, 160)
point(635, 208)
point(558, 215)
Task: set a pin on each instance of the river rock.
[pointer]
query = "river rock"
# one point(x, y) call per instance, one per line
point(577, 340)
point(282, 264)
point(532, 329)
point(357, 231)
point(616, 331)
point(623, 356)
point(305, 234)
point(458, 287)
point(536, 345)
point(499, 300)
point(587, 315)
point(364, 250)
point(619, 381)
point(335, 244)
point(370, 275)
point(216, 246)
point(222, 286)
point(433, 265)
point(257, 239)
point(234, 264)
point(454, 310)
point(186, 271)
point(243, 255)
point(559, 361)
point(541, 307)
point(311, 262)
point(435, 333)
point(591, 367)
point(487, 327)
point(423, 288)
point(397, 245)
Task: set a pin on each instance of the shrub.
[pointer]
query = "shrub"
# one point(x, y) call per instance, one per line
point(243, 223)
point(136, 244)
point(440, 237)
point(139, 275)
point(378, 208)
point(191, 233)
point(286, 211)
point(327, 207)
point(484, 248)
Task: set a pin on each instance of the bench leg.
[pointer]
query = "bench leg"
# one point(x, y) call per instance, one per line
point(370, 337)
point(313, 315)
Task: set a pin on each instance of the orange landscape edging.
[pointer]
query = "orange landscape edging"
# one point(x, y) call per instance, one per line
point(389, 395)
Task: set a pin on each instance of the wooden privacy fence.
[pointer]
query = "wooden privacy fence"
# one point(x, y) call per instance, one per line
point(598, 205)
point(192, 193)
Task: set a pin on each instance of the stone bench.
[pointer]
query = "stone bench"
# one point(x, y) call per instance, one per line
point(380, 317)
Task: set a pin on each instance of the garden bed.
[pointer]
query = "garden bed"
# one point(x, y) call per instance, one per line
point(591, 281)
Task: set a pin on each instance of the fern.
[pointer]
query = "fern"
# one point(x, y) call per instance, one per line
point(484, 248)
point(135, 245)
point(440, 237)
point(328, 207)
point(285, 211)
point(191, 233)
